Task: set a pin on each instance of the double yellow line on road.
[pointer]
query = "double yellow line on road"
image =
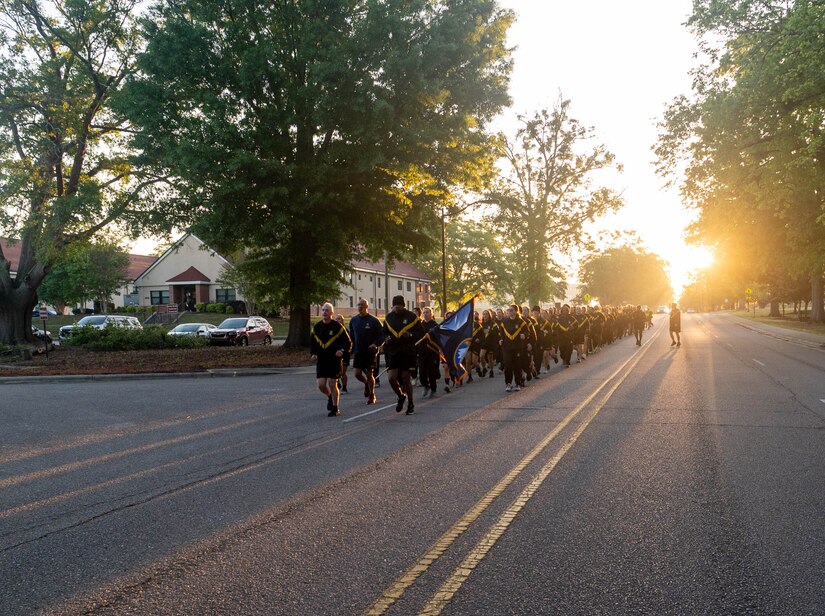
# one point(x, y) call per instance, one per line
point(463, 571)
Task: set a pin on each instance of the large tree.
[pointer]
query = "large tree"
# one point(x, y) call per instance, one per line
point(749, 144)
point(626, 274)
point(85, 271)
point(306, 133)
point(63, 172)
point(546, 194)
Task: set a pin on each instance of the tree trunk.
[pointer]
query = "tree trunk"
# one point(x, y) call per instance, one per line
point(817, 308)
point(299, 329)
point(16, 317)
point(18, 296)
point(775, 308)
point(300, 277)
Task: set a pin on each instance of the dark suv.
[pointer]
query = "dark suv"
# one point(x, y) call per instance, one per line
point(242, 331)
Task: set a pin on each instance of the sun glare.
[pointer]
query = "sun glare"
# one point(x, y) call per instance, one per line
point(685, 263)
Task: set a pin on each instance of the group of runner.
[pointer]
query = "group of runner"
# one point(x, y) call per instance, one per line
point(516, 341)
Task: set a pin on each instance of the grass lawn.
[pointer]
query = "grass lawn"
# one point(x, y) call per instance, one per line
point(789, 321)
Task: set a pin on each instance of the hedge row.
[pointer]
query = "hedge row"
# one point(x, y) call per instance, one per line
point(122, 339)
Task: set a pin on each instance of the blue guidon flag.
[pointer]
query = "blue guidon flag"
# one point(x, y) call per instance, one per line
point(453, 337)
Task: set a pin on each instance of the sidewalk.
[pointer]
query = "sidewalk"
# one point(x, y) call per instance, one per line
point(791, 335)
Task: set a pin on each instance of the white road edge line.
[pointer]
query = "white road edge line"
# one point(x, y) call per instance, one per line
point(759, 362)
point(368, 413)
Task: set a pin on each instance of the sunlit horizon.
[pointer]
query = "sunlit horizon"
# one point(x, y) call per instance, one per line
point(684, 263)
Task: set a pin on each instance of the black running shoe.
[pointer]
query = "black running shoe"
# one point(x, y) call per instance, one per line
point(410, 409)
point(333, 412)
point(329, 403)
point(400, 406)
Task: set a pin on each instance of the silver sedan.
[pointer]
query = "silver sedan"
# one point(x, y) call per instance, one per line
point(192, 329)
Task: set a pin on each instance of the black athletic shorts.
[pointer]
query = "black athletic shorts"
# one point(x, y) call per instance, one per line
point(328, 368)
point(364, 360)
point(402, 361)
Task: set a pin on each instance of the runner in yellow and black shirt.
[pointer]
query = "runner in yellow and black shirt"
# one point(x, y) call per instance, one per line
point(402, 329)
point(328, 345)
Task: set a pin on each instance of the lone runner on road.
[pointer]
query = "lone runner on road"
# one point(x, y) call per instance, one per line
point(675, 325)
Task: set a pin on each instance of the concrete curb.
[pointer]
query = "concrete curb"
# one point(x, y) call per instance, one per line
point(209, 374)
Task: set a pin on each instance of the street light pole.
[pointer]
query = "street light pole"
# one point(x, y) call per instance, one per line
point(453, 212)
point(443, 262)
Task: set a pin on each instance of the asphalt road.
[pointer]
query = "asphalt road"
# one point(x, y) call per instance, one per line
point(647, 480)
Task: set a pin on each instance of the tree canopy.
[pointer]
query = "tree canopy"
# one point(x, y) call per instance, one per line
point(476, 263)
point(64, 174)
point(751, 140)
point(546, 194)
point(309, 133)
point(626, 274)
point(85, 271)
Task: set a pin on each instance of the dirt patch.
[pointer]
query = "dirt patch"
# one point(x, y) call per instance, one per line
point(69, 360)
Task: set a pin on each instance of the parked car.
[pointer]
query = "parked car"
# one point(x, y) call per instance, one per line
point(662, 310)
point(242, 331)
point(192, 329)
point(100, 321)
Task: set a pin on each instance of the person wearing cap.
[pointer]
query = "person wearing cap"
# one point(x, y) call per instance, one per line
point(328, 345)
point(402, 330)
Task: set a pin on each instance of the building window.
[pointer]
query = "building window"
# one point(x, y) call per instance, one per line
point(350, 301)
point(409, 286)
point(379, 303)
point(370, 278)
point(372, 302)
point(159, 298)
point(379, 283)
point(359, 276)
point(400, 286)
point(224, 296)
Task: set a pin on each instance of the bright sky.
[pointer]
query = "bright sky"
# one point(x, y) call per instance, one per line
point(619, 63)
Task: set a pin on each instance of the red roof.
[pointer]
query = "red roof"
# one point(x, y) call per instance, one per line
point(399, 268)
point(137, 263)
point(190, 275)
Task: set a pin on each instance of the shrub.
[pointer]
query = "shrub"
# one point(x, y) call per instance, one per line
point(200, 307)
point(214, 308)
point(229, 309)
point(122, 339)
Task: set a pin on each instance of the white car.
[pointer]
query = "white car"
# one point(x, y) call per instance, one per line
point(192, 329)
point(99, 321)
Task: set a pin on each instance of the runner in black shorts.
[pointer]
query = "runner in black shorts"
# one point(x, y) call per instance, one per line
point(328, 344)
point(402, 329)
point(367, 334)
